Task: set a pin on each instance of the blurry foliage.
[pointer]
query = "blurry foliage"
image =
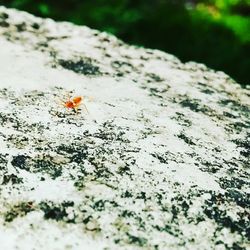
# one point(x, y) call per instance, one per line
point(214, 32)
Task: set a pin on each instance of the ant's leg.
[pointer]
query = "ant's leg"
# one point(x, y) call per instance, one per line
point(68, 95)
point(82, 103)
point(91, 98)
point(85, 107)
point(75, 109)
point(60, 102)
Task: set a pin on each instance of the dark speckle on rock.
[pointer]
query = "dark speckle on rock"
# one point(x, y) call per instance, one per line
point(81, 67)
point(56, 211)
point(195, 105)
point(186, 139)
point(20, 209)
point(12, 179)
point(20, 162)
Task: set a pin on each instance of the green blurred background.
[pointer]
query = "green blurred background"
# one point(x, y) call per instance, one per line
point(214, 32)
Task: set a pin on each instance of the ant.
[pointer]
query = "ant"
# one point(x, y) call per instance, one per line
point(74, 103)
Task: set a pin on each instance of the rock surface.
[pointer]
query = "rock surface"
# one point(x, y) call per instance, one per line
point(161, 161)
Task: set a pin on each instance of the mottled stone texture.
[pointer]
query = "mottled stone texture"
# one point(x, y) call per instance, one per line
point(159, 161)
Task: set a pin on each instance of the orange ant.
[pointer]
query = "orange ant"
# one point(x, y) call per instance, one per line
point(74, 103)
